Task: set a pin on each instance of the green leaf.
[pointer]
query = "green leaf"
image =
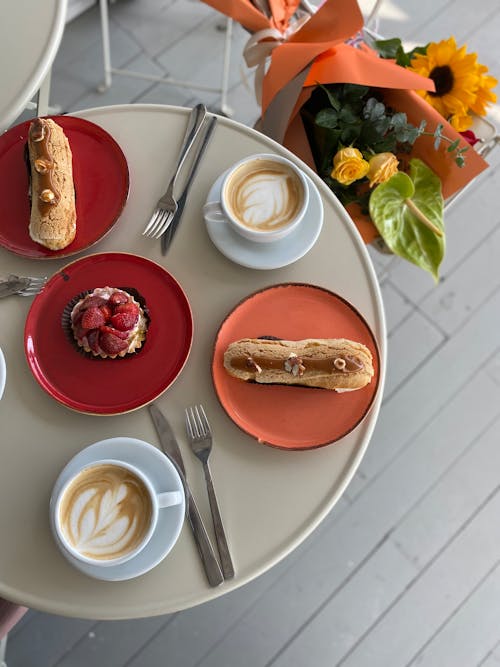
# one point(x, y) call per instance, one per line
point(388, 48)
point(400, 228)
point(327, 118)
point(398, 120)
point(373, 110)
point(331, 97)
point(393, 48)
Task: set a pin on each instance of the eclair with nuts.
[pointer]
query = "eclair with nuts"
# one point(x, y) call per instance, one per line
point(327, 363)
point(53, 210)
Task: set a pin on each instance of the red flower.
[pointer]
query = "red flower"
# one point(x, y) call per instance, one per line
point(470, 137)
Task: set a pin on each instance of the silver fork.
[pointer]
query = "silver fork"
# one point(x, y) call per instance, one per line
point(200, 438)
point(21, 285)
point(167, 204)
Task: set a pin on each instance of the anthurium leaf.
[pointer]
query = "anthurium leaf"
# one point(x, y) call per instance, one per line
point(392, 209)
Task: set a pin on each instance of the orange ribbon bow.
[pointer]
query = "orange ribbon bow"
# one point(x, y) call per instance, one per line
point(318, 44)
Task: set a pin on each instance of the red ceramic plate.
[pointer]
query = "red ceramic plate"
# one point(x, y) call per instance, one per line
point(293, 417)
point(100, 173)
point(109, 386)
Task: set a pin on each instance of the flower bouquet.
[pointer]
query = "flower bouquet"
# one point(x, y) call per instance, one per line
point(364, 149)
point(343, 106)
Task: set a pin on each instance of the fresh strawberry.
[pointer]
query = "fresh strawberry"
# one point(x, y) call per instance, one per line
point(117, 298)
point(111, 344)
point(80, 332)
point(106, 311)
point(92, 318)
point(127, 308)
point(115, 332)
point(93, 339)
point(77, 317)
point(93, 302)
point(124, 321)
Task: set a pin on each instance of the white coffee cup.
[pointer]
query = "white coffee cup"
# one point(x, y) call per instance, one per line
point(107, 512)
point(263, 198)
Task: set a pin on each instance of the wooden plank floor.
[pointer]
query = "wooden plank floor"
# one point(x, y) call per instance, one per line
point(406, 569)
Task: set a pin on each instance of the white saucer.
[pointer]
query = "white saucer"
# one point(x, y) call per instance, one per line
point(267, 255)
point(3, 373)
point(163, 477)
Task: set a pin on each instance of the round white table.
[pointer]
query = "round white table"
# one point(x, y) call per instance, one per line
point(30, 34)
point(271, 500)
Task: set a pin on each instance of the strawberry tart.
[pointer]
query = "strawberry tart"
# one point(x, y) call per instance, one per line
point(108, 323)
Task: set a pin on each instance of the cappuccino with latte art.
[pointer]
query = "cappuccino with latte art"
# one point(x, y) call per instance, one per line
point(264, 194)
point(106, 511)
point(263, 198)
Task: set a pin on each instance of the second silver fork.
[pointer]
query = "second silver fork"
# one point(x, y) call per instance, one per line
point(21, 285)
point(167, 204)
point(200, 438)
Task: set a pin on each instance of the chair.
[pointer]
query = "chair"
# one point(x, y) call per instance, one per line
point(10, 614)
point(109, 70)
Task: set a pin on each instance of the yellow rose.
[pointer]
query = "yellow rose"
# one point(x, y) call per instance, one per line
point(349, 166)
point(382, 167)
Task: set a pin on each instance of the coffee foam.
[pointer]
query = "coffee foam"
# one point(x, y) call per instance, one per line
point(264, 195)
point(105, 512)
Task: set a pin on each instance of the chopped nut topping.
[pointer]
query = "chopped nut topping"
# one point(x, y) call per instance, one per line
point(47, 196)
point(37, 131)
point(252, 365)
point(339, 364)
point(294, 365)
point(42, 166)
point(354, 361)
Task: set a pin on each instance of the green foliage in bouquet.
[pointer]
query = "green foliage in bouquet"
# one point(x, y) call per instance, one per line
point(351, 132)
point(347, 114)
point(393, 49)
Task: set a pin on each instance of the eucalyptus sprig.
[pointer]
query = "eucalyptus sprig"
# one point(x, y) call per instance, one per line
point(372, 126)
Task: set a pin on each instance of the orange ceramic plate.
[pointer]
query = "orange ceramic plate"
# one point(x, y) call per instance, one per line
point(293, 417)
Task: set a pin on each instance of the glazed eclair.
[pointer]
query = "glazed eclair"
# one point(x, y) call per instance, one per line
point(53, 210)
point(327, 363)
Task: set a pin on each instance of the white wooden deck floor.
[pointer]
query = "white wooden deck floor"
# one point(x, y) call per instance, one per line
point(406, 569)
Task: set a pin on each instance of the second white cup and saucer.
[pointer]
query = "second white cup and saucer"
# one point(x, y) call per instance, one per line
point(276, 248)
point(162, 484)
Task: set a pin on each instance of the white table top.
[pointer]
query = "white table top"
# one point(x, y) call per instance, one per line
point(30, 34)
point(271, 500)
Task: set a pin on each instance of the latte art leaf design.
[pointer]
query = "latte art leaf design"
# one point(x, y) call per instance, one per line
point(106, 512)
point(265, 198)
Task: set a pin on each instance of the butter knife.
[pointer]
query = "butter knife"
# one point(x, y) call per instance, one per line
point(169, 445)
point(168, 234)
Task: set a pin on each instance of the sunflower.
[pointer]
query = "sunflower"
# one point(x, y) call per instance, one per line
point(461, 82)
point(484, 94)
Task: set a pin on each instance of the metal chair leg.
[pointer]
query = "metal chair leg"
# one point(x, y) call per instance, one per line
point(3, 648)
point(42, 104)
point(106, 48)
point(226, 110)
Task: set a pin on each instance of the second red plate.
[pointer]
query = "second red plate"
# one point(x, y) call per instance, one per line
point(109, 386)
